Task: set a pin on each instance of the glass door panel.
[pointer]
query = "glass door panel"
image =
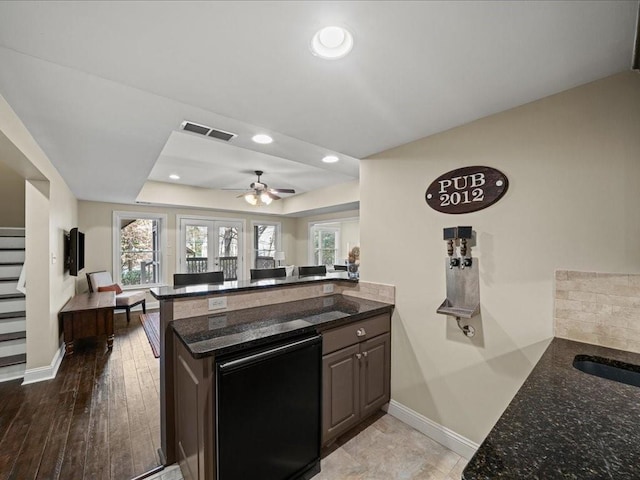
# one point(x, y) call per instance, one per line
point(227, 248)
point(197, 249)
point(211, 245)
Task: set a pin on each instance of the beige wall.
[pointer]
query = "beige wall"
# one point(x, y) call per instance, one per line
point(50, 208)
point(96, 218)
point(345, 195)
point(573, 163)
point(11, 197)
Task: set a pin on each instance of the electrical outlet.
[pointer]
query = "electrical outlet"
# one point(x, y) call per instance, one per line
point(327, 288)
point(216, 303)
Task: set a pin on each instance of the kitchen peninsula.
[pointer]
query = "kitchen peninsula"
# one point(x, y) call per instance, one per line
point(201, 324)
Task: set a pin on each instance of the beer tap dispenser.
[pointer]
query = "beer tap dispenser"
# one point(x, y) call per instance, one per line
point(464, 234)
point(450, 235)
point(463, 291)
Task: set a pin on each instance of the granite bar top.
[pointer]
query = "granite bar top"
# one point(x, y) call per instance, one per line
point(239, 329)
point(232, 286)
point(564, 423)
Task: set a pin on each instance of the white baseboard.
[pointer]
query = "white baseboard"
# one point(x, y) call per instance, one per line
point(450, 439)
point(39, 374)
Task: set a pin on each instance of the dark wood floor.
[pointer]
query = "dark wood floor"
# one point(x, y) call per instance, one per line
point(98, 419)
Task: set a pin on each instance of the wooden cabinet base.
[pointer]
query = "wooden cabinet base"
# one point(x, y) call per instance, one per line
point(88, 315)
point(356, 374)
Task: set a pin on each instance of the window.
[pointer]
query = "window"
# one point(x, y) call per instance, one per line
point(266, 241)
point(137, 240)
point(324, 241)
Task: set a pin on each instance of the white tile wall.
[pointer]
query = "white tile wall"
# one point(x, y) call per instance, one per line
point(598, 308)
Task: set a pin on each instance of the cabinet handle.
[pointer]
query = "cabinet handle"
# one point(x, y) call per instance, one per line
point(361, 332)
point(364, 354)
point(358, 356)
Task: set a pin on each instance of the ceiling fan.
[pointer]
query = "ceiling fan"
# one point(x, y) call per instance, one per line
point(260, 193)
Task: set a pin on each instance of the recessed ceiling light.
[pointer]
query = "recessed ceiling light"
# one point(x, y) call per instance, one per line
point(174, 176)
point(332, 43)
point(262, 138)
point(330, 159)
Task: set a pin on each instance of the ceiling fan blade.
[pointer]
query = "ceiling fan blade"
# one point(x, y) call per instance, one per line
point(273, 195)
point(282, 190)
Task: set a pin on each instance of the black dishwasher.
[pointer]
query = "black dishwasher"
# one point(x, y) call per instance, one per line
point(268, 412)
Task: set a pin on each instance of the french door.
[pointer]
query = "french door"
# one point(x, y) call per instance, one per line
point(208, 245)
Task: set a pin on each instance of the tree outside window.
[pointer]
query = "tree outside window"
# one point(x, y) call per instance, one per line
point(139, 251)
point(325, 245)
point(265, 244)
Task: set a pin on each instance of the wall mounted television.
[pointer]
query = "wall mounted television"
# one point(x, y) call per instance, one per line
point(73, 251)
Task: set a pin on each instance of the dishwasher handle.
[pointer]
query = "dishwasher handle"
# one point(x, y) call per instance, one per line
point(231, 365)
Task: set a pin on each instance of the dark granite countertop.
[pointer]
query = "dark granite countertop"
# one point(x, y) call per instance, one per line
point(564, 423)
point(236, 330)
point(168, 292)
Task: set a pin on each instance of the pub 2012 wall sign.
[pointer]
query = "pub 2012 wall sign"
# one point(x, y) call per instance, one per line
point(466, 190)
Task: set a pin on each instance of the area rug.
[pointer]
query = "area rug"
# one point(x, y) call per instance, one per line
point(151, 324)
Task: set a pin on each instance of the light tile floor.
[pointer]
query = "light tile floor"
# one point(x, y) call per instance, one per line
point(387, 449)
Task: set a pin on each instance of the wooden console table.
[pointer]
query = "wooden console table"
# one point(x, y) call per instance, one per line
point(88, 315)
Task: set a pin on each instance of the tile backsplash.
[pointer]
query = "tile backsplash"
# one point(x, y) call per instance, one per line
point(193, 307)
point(598, 308)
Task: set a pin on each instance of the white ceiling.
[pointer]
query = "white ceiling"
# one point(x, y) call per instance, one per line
point(104, 86)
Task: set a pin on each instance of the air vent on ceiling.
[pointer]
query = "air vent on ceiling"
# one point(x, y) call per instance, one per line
point(208, 131)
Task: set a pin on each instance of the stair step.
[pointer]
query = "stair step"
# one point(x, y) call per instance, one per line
point(5, 337)
point(15, 346)
point(10, 270)
point(13, 360)
point(13, 305)
point(12, 255)
point(18, 314)
point(11, 296)
point(8, 287)
point(12, 242)
point(11, 325)
point(11, 232)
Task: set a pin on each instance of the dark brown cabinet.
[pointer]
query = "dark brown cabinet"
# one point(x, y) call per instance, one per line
point(194, 414)
point(356, 374)
point(88, 315)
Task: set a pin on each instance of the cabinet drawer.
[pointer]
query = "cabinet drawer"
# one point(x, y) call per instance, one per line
point(352, 333)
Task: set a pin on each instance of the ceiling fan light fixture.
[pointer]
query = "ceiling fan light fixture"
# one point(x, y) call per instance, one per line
point(330, 159)
point(251, 198)
point(332, 43)
point(262, 139)
point(258, 200)
point(266, 199)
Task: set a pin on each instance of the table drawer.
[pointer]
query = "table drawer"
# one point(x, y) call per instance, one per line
point(356, 332)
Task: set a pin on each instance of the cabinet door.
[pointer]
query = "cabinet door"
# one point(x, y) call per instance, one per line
point(189, 423)
point(340, 391)
point(375, 373)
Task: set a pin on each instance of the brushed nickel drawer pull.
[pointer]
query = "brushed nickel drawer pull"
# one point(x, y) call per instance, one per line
point(361, 332)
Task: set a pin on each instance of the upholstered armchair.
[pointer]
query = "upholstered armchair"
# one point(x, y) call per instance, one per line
point(125, 300)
